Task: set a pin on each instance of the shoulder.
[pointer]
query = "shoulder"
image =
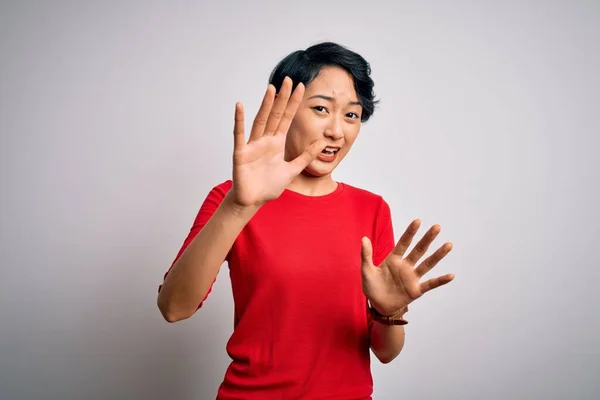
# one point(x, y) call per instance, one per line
point(224, 186)
point(367, 203)
point(220, 190)
point(364, 196)
point(216, 195)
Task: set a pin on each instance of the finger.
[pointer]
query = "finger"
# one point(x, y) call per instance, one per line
point(423, 244)
point(260, 121)
point(279, 106)
point(238, 128)
point(433, 259)
point(366, 252)
point(407, 237)
point(290, 110)
point(436, 282)
point(301, 162)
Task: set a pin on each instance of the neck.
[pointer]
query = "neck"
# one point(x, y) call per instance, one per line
point(313, 186)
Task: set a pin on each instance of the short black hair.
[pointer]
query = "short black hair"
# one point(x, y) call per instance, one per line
point(304, 66)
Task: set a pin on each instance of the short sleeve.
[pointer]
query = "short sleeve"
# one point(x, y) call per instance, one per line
point(384, 241)
point(384, 233)
point(207, 209)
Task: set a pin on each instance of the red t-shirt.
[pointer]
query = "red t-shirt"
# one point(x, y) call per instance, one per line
point(301, 327)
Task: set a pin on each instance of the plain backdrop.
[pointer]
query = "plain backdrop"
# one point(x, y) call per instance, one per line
point(116, 121)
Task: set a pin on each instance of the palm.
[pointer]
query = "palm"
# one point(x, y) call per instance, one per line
point(260, 171)
point(396, 282)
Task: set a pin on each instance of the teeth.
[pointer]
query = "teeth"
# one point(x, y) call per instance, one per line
point(331, 149)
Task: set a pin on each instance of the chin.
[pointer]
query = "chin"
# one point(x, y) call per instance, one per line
point(316, 169)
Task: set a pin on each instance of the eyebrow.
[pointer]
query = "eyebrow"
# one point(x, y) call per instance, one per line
point(329, 98)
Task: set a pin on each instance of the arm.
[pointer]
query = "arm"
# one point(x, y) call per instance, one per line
point(260, 174)
point(190, 278)
point(395, 283)
point(387, 341)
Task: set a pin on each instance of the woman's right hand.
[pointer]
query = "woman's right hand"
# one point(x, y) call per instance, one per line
point(260, 171)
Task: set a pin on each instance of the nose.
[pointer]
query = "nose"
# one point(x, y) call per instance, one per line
point(334, 130)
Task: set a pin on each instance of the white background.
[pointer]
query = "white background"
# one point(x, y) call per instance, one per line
point(116, 121)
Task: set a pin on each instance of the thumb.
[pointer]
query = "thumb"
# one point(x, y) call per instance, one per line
point(310, 153)
point(366, 252)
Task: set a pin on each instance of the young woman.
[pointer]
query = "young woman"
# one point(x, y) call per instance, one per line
point(316, 277)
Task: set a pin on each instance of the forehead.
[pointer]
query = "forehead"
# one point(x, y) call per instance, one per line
point(333, 81)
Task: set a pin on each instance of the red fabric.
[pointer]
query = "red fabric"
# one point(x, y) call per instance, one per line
point(209, 206)
point(301, 327)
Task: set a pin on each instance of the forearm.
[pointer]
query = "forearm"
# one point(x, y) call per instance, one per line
point(191, 276)
point(387, 341)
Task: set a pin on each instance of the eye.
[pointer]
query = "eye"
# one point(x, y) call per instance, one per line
point(353, 115)
point(320, 109)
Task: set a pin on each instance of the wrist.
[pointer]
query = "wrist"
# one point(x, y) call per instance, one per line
point(394, 318)
point(387, 311)
point(238, 210)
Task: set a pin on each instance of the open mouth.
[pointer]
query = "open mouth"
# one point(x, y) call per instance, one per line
point(330, 151)
point(328, 154)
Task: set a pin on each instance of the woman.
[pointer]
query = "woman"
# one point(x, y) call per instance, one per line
point(316, 278)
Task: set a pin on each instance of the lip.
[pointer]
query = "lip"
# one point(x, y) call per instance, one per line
point(328, 158)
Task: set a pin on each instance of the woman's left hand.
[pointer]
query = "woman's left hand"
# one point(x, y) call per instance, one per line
point(396, 282)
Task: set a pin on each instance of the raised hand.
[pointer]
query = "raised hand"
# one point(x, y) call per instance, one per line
point(260, 171)
point(396, 282)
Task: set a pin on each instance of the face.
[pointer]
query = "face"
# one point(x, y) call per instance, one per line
point(330, 109)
